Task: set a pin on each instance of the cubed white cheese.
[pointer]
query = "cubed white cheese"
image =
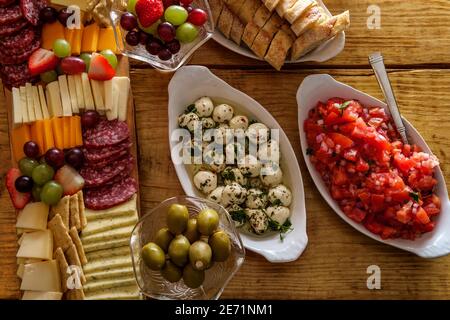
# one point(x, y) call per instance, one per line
point(37, 104)
point(79, 91)
point(87, 92)
point(65, 96)
point(42, 100)
point(23, 104)
point(73, 94)
point(17, 107)
point(54, 99)
point(30, 103)
point(124, 89)
point(98, 93)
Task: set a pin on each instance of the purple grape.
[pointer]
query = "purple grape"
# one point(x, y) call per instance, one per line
point(24, 184)
point(166, 31)
point(144, 37)
point(89, 119)
point(48, 15)
point(75, 157)
point(54, 157)
point(128, 21)
point(132, 38)
point(63, 15)
point(31, 149)
point(164, 54)
point(154, 46)
point(173, 46)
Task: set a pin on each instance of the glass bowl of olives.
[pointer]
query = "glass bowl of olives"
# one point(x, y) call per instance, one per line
point(186, 248)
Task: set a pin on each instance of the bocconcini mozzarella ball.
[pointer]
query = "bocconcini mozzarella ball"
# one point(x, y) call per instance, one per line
point(250, 166)
point(204, 107)
point(280, 195)
point(231, 175)
point(205, 181)
point(234, 152)
point(258, 220)
point(220, 134)
point(233, 194)
point(216, 195)
point(279, 214)
point(257, 133)
point(269, 151)
point(208, 123)
point(256, 199)
point(189, 121)
point(222, 113)
point(271, 174)
point(255, 183)
point(215, 161)
point(235, 212)
point(239, 122)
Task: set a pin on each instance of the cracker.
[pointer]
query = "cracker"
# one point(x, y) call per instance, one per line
point(61, 237)
point(74, 260)
point(74, 212)
point(79, 246)
point(63, 267)
point(81, 209)
point(62, 208)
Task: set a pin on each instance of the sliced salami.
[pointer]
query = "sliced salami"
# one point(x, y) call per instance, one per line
point(10, 14)
point(103, 124)
point(106, 162)
point(30, 11)
point(41, 4)
point(98, 177)
point(19, 40)
point(5, 3)
point(16, 56)
point(114, 133)
point(111, 195)
point(11, 28)
point(99, 155)
point(16, 75)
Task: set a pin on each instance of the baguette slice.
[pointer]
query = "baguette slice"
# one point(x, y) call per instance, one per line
point(265, 35)
point(287, 29)
point(248, 10)
point(216, 8)
point(225, 22)
point(271, 4)
point(298, 9)
point(306, 22)
point(283, 6)
point(237, 29)
point(234, 5)
point(252, 28)
point(319, 34)
point(278, 50)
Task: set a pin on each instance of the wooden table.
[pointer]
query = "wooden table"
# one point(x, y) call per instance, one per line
point(415, 40)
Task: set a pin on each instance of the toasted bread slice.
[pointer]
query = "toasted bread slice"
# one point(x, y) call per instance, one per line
point(298, 9)
point(248, 10)
point(319, 34)
point(306, 21)
point(262, 15)
point(283, 6)
point(271, 4)
point(252, 28)
point(287, 29)
point(237, 29)
point(266, 34)
point(234, 5)
point(278, 50)
point(216, 8)
point(225, 22)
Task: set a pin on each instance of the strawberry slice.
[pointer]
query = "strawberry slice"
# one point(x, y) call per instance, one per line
point(69, 179)
point(100, 68)
point(42, 60)
point(18, 199)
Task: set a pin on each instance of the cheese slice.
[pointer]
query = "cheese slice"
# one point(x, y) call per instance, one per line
point(73, 94)
point(20, 269)
point(38, 295)
point(65, 96)
point(23, 104)
point(79, 91)
point(17, 107)
point(45, 114)
point(30, 103)
point(115, 234)
point(101, 225)
point(54, 99)
point(112, 91)
point(109, 262)
point(20, 261)
point(33, 216)
point(37, 104)
point(36, 245)
point(19, 242)
point(126, 208)
point(123, 83)
point(42, 276)
point(97, 90)
point(87, 92)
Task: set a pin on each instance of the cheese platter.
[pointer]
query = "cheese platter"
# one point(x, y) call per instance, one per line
point(73, 178)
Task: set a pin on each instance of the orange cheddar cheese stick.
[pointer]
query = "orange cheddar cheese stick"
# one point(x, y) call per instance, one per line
point(90, 38)
point(76, 45)
point(69, 35)
point(58, 132)
point(78, 135)
point(66, 130)
point(48, 135)
point(37, 135)
point(20, 135)
point(51, 32)
point(73, 132)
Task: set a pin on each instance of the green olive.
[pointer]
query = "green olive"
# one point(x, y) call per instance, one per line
point(179, 250)
point(153, 256)
point(163, 238)
point(193, 278)
point(171, 272)
point(177, 218)
point(200, 255)
point(207, 221)
point(220, 245)
point(191, 231)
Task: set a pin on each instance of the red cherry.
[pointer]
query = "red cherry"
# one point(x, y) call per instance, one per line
point(197, 17)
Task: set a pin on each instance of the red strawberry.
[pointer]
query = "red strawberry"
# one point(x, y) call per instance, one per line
point(100, 68)
point(18, 199)
point(69, 179)
point(42, 60)
point(149, 11)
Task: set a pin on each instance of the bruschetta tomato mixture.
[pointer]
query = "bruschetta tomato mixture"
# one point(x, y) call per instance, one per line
point(375, 178)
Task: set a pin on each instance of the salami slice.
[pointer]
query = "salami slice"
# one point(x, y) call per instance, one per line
point(16, 56)
point(100, 155)
point(10, 14)
point(113, 133)
point(41, 4)
point(98, 177)
point(5, 3)
point(110, 195)
point(30, 11)
point(11, 28)
point(16, 75)
point(18, 40)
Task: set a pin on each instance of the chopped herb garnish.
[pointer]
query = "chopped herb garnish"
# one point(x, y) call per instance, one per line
point(238, 215)
point(190, 108)
point(252, 121)
point(309, 151)
point(277, 202)
point(415, 196)
point(283, 229)
point(247, 174)
point(228, 175)
point(344, 105)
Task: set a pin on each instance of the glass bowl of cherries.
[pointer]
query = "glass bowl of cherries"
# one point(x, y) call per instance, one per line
point(163, 33)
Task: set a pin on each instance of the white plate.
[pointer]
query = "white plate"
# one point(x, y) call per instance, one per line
point(322, 87)
point(324, 52)
point(192, 82)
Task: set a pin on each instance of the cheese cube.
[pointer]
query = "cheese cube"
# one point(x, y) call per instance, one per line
point(54, 99)
point(23, 104)
point(17, 107)
point(90, 38)
point(45, 114)
point(65, 96)
point(37, 104)
point(37, 295)
point(73, 94)
point(36, 245)
point(98, 92)
point(124, 85)
point(79, 91)
point(30, 102)
point(87, 92)
point(41, 276)
point(33, 216)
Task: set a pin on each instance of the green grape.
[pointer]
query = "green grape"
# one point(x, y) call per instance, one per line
point(176, 15)
point(131, 6)
point(151, 29)
point(51, 193)
point(26, 166)
point(110, 56)
point(86, 57)
point(42, 174)
point(49, 76)
point(36, 192)
point(61, 48)
point(187, 32)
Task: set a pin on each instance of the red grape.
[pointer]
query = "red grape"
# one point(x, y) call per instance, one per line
point(54, 157)
point(132, 38)
point(89, 119)
point(154, 46)
point(168, 3)
point(48, 15)
point(164, 54)
point(73, 65)
point(197, 17)
point(24, 184)
point(128, 21)
point(63, 15)
point(186, 2)
point(75, 157)
point(31, 149)
point(166, 31)
point(173, 46)
point(144, 37)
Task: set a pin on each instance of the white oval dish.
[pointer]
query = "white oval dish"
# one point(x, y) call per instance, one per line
point(324, 52)
point(321, 87)
point(192, 82)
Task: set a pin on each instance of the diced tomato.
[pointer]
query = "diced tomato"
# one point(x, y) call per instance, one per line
point(341, 140)
point(377, 202)
point(375, 122)
point(332, 118)
point(403, 215)
point(349, 115)
point(339, 177)
point(357, 214)
point(422, 216)
point(361, 165)
point(351, 154)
